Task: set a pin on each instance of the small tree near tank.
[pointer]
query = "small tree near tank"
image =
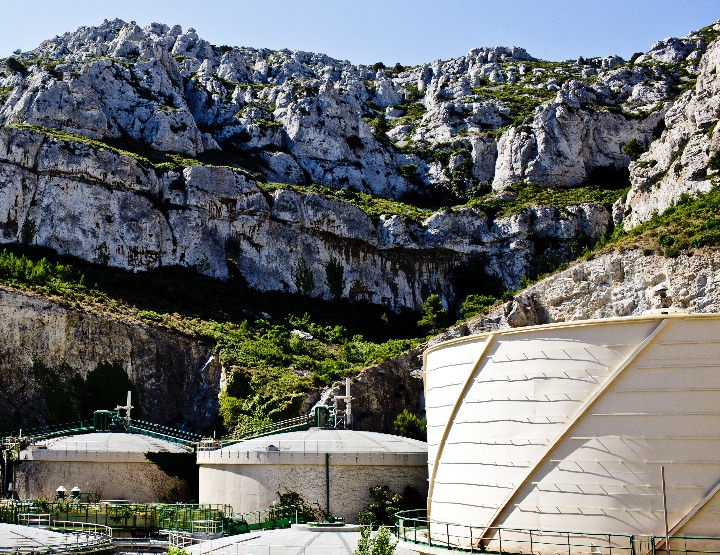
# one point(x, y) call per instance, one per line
point(434, 315)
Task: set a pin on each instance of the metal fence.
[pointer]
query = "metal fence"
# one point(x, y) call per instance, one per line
point(76, 538)
point(413, 527)
point(166, 433)
point(266, 519)
point(135, 517)
point(289, 425)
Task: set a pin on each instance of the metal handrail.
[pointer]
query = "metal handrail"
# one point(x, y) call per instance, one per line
point(142, 427)
point(291, 424)
point(77, 538)
point(144, 517)
point(414, 527)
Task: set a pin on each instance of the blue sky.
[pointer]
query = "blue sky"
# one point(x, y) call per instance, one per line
point(368, 31)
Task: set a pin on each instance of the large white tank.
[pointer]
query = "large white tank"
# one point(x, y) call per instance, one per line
point(566, 427)
point(114, 465)
point(249, 475)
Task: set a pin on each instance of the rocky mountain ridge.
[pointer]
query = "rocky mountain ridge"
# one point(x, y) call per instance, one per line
point(310, 117)
point(441, 131)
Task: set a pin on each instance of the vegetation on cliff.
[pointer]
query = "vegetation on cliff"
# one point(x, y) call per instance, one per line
point(275, 346)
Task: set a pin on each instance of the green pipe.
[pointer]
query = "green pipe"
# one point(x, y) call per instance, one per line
point(327, 485)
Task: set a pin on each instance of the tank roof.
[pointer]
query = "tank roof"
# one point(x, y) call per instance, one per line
point(312, 541)
point(112, 442)
point(321, 440)
point(33, 539)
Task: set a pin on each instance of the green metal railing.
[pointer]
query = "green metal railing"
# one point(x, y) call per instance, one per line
point(414, 527)
point(266, 519)
point(166, 433)
point(153, 517)
point(76, 539)
point(50, 431)
point(292, 424)
point(135, 517)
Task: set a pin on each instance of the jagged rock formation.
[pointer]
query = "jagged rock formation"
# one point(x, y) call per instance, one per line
point(109, 208)
point(175, 92)
point(610, 285)
point(496, 116)
point(680, 161)
point(47, 349)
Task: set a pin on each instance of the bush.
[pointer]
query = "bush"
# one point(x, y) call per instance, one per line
point(633, 148)
point(379, 544)
point(475, 304)
point(409, 425)
point(15, 66)
point(151, 315)
point(291, 497)
point(434, 315)
point(381, 510)
point(714, 161)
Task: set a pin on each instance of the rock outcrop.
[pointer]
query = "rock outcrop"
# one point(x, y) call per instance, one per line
point(343, 125)
point(680, 161)
point(611, 285)
point(49, 350)
point(111, 209)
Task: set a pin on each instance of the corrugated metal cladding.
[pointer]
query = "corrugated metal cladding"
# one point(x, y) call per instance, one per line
point(566, 426)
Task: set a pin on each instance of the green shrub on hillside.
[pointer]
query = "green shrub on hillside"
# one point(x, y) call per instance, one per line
point(476, 304)
point(435, 317)
point(633, 148)
point(532, 194)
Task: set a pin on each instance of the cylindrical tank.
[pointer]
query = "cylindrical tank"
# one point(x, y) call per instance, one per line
point(113, 465)
point(566, 427)
point(249, 475)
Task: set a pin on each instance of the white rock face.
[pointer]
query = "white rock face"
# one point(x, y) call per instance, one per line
point(611, 285)
point(678, 161)
point(428, 132)
point(172, 91)
point(108, 208)
point(564, 145)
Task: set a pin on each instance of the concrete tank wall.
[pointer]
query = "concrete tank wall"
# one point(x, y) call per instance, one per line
point(142, 482)
point(251, 487)
point(114, 465)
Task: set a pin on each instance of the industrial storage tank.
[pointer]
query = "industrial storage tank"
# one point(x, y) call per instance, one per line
point(567, 426)
point(331, 469)
point(111, 465)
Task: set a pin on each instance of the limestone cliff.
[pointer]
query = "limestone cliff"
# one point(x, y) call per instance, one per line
point(87, 116)
point(681, 160)
point(109, 208)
